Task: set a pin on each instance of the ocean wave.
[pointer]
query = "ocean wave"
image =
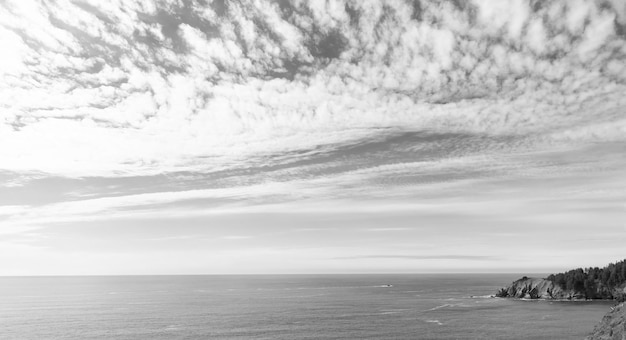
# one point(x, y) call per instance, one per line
point(531, 300)
point(317, 288)
point(434, 321)
point(439, 307)
point(449, 305)
point(392, 311)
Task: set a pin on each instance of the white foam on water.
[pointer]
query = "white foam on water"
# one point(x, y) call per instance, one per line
point(434, 321)
point(392, 311)
point(439, 307)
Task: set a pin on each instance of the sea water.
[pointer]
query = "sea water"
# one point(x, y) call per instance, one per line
point(283, 307)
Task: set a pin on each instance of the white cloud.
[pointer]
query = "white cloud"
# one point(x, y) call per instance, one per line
point(536, 38)
point(263, 109)
point(158, 93)
point(596, 34)
point(578, 11)
point(11, 60)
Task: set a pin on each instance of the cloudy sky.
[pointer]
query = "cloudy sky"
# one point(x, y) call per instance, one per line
point(190, 137)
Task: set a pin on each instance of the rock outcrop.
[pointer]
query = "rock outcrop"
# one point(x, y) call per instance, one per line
point(536, 288)
point(612, 326)
point(607, 283)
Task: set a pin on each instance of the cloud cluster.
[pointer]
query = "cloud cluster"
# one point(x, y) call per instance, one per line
point(367, 125)
point(129, 87)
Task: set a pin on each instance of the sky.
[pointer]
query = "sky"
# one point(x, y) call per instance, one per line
point(265, 137)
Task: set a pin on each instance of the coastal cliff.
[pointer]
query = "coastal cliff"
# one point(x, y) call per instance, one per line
point(612, 326)
point(607, 283)
point(536, 288)
point(593, 283)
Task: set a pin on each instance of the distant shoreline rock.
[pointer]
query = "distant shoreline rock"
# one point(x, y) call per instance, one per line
point(611, 327)
point(593, 283)
point(537, 288)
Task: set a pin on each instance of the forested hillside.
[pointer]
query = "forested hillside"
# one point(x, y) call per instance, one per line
point(594, 282)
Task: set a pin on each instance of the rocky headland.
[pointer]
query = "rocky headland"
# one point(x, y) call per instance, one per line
point(537, 288)
point(611, 327)
point(591, 284)
point(608, 283)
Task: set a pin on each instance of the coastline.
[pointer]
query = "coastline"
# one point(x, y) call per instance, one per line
point(612, 326)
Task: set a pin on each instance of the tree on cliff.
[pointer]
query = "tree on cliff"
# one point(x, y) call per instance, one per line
point(594, 282)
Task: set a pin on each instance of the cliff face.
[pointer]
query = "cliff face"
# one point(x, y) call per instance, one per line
point(612, 326)
point(535, 288)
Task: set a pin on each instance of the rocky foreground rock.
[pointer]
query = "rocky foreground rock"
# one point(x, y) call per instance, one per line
point(612, 326)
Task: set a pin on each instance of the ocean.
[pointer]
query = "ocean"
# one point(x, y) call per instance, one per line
point(451, 306)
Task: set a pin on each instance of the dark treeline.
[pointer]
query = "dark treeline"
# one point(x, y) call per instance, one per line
point(594, 282)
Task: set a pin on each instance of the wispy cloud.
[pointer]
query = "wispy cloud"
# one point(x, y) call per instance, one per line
point(235, 237)
point(388, 229)
point(140, 111)
point(173, 83)
point(421, 257)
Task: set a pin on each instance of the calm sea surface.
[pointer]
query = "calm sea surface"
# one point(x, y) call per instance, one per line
point(283, 307)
